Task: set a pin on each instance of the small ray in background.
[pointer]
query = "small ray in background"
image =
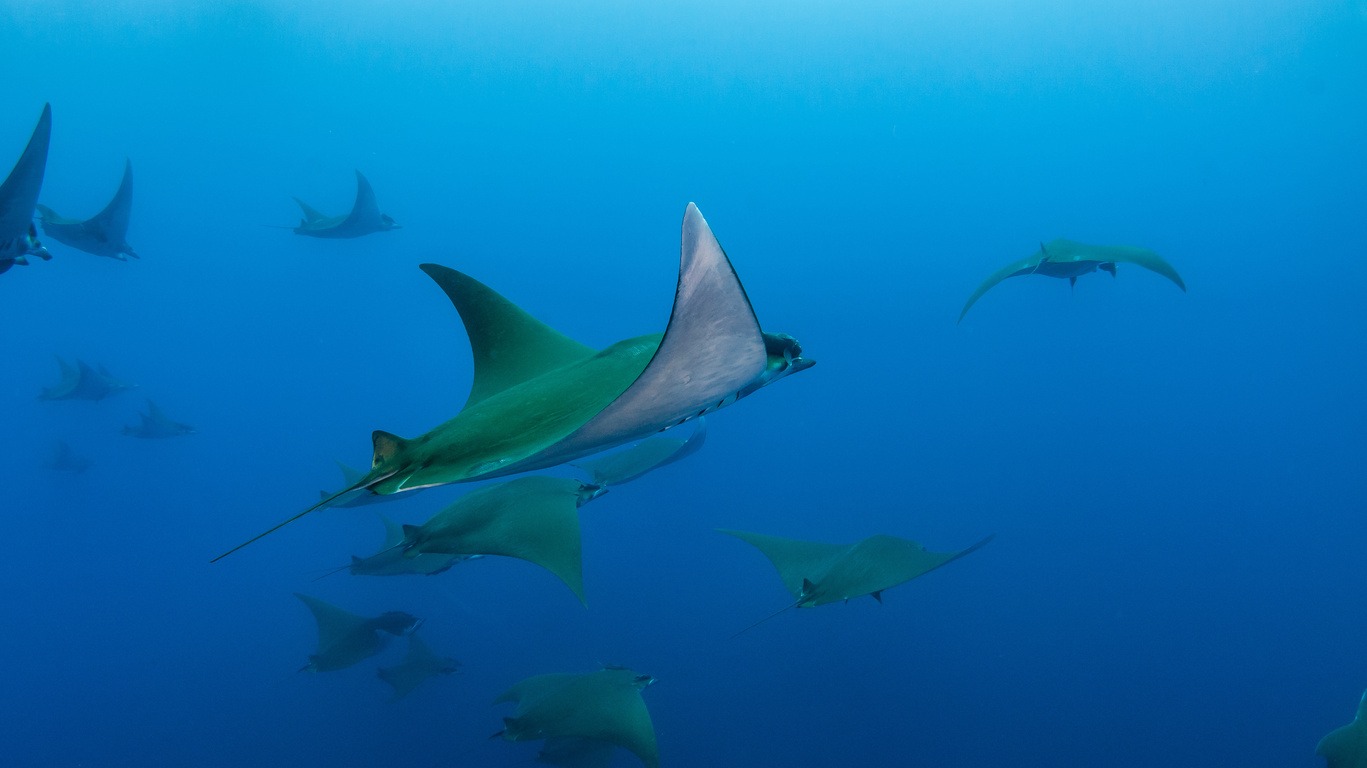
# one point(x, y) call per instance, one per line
point(155, 424)
point(391, 560)
point(568, 709)
point(105, 233)
point(19, 198)
point(1346, 746)
point(82, 382)
point(532, 518)
point(418, 664)
point(345, 639)
point(365, 217)
point(1070, 259)
point(540, 399)
point(817, 573)
point(650, 454)
point(65, 460)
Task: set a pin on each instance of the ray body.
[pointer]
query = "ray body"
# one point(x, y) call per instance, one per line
point(65, 460)
point(603, 707)
point(817, 573)
point(1069, 259)
point(540, 399)
point(1346, 747)
point(648, 455)
point(418, 665)
point(105, 233)
point(576, 753)
point(19, 198)
point(83, 382)
point(533, 518)
point(391, 560)
point(363, 219)
point(345, 638)
point(156, 424)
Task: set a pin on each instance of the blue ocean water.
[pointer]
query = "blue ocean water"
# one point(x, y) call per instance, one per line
point(1174, 480)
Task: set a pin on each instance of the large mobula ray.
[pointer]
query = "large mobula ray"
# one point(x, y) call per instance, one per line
point(105, 233)
point(540, 399)
point(19, 198)
point(574, 711)
point(1346, 746)
point(364, 218)
point(1071, 259)
point(82, 382)
point(817, 573)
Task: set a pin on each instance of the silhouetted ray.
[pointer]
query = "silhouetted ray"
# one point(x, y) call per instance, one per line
point(540, 399)
point(417, 665)
point(1070, 259)
point(156, 424)
point(650, 454)
point(64, 460)
point(82, 382)
point(817, 573)
point(1346, 747)
point(603, 706)
point(532, 518)
point(364, 218)
point(19, 198)
point(391, 560)
point(345, 639)
point(105, 233)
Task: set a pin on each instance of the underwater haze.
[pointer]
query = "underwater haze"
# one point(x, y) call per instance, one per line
point(1174, 479)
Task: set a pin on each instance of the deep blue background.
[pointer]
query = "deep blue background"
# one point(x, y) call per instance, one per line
point(1176, 481)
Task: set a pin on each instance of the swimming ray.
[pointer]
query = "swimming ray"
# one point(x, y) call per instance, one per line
point(363, 219)
point(533, 518)
point(66, 460)
point(1346, 746)
point(418, 664)
point(156, 424)
point(603, 706)
point(1071, 259)
point(650, 454)
point(540, 399)
point(817, 573)
point(82, 382)
point(19, 198)
point(345, 638)
point(105, 233)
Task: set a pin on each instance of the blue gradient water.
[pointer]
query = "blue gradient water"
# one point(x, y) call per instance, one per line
point(1176, 481)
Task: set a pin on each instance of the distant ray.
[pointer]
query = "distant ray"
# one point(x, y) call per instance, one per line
point(83, 382)
point(1070, 260)
point(156, 424)
point(817, 573)
point(65, 460)
point(105, 233)
point(345, 639)
point(566, 709)
point(364, 218)
point(419, 664)
point(19, 198)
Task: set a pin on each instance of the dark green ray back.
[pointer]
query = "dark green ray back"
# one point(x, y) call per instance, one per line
point(794, 560)
point(603, 706)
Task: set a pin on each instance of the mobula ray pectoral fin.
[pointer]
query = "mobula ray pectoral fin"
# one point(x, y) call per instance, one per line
point(366, 210)
point(712, 349)
point(19, 194)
